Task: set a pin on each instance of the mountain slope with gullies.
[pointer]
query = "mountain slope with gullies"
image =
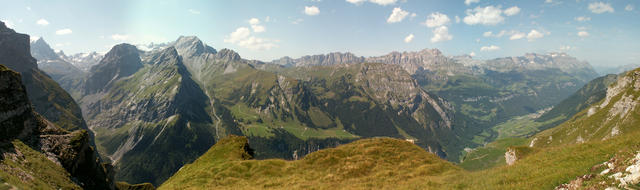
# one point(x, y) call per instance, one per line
point(617, 113)
point(37, 154)
point(184, 96)
point(482, 93)
point(516, 131)
point(48, 98)
point(149, 116)
point(55, 65)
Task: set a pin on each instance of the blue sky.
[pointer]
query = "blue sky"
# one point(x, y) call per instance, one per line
point(599, 31)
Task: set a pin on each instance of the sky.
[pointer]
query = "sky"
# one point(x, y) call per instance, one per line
point(602, 32)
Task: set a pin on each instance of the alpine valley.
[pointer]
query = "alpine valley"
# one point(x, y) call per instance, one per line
point(186, 115)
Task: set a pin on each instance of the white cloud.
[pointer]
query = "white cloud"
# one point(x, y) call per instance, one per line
point(397, 15)
point(28, 8)
point(629, 7)
point(238, 35)
point(600, 7)
point(120, 37)
point(582, 18)
point(254, 21)
point(255, 25)
point(413, 15)
point(243, 38)
point(489, 48)
point(457, 19)
point(489, 15)
point(437, 19)
point(441, 34)
point(512, 11)
point(258, 28)
point(64, 31)
point(42, 22)
point(409, 38)
point(193, 11)
point(548, 1)
point(487, 34)
point(356, 1)
point(469, 2)
point(379, 2)
point(499, 34)
point(534, 34)
point(517, 36)
point(311, 11)
point(383, 2)
point(472, 54)
point(583, 34)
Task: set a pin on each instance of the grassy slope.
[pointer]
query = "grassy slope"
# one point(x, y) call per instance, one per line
point(387, 163)
point(490, 155)
point(25, 168)
point(546, 168)
point(602, 124)
point(369, 163)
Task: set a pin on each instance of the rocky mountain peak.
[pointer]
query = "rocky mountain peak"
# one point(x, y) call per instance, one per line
point(191, 46)
point(167, 55)
point(41, 50)
point(228, 55)
point(15, 50)
point(427, 59)
point(123, 60)
point(431, 52)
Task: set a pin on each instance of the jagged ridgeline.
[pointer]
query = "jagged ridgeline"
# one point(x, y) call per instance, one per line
point(155, 111)
point(48, 98)
point(180, 97)
point(596, 149)
point(44, 143)
point(481, 93)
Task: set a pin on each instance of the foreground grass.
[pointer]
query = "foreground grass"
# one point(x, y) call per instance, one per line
point(22, 167)
point(546, 168)
point(384, 163)
point(370, 163)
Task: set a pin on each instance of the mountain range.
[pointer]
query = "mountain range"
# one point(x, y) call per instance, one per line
point(156, 111)
point(135, 100)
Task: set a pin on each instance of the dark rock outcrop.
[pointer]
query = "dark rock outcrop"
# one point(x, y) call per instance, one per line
point(48, 98)
point(71, 150)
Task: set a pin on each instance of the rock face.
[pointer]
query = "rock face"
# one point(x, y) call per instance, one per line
point(510, 156)
point(483, 93)
point(427, 59)
point(71, 150)
point(141, 116)
point(320, 60)
point(48, 98)
point(614, 114)
point(122, 61)
point(533, 61)
point(56, 65)
point(185, 96)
